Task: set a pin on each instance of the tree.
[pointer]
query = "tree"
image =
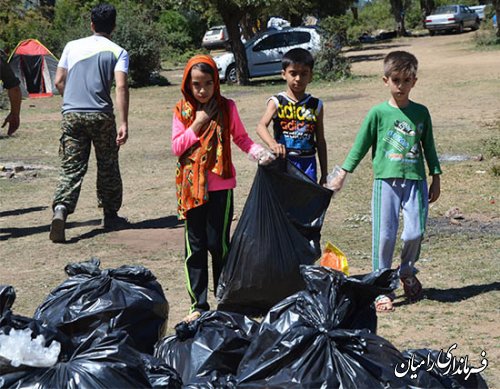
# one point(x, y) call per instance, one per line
point(398, 9)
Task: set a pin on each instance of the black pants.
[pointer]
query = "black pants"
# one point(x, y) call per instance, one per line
point(207, 229)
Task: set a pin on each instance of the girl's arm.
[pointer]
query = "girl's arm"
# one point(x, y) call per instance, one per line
point(239, 133)
point(182, 138)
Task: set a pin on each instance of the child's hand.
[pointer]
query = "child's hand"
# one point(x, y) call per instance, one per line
point(204, 114)
point(435, 189)
point(278, 149)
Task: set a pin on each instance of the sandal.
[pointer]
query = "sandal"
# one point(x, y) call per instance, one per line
point(412, 288)
point(383, 303)
point(192, 317)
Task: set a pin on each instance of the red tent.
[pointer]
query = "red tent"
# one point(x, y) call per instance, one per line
point(35, 66)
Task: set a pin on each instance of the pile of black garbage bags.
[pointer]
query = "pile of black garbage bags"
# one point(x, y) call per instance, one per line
point(110, 324)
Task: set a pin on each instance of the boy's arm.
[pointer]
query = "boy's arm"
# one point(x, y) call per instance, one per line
point(435, 188)
point(321, 146)
point(264, 134)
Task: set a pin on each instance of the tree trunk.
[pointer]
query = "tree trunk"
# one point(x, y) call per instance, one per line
point(231, 16)
point(398, 13)
point(238, 49)
point(427, 6)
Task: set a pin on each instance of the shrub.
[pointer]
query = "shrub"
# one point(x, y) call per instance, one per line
point(139, 36)
point(330, 64)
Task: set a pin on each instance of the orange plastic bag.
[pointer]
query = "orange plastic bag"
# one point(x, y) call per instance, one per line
point(334, 258)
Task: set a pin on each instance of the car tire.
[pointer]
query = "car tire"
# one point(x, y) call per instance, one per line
point(231, 74)
point(460, 28)
point(476, 24)
point(432, 33)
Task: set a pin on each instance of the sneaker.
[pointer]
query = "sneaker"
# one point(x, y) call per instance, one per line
point(58, 224)
point(112, 221)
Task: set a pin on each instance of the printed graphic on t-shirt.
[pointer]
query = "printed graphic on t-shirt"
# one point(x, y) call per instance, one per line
point(295, 123)
point(403, 142)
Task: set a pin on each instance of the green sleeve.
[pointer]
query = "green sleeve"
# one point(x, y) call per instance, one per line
point(367, 136)
point(429, 148)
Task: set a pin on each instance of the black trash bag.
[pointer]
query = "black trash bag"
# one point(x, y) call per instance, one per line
point(7, 298)
point(348, 300)
point(279, 229)
point(127, 298)
point(10, 374)
point(102, 361)
point(209, 348)
point(161, 375)
point(302, 342)
point(427, 359)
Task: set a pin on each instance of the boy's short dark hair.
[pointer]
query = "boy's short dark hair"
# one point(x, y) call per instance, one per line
point(297, 56)
point(104, 18)
point(401, 62)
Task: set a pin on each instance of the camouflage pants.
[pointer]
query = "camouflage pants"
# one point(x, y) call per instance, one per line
point(79, 131)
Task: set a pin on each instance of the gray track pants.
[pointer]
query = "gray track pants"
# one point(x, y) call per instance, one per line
point(389, 198)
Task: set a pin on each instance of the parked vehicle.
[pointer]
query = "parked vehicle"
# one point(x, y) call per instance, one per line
point(264, 51)
point(479, 9)
point(216, 38)
point(452, 18)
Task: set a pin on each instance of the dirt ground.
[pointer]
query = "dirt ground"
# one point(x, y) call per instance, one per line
point(459, 262)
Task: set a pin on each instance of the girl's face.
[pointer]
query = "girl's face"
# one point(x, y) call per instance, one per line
point(202, 86)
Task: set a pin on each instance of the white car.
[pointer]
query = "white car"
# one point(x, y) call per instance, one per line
point(479, 9)
point(265, 50)
point(452, 18)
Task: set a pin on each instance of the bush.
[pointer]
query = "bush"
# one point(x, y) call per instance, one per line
point(180, 33)
point(330, 64)
point(486, 36)
point(139, 36)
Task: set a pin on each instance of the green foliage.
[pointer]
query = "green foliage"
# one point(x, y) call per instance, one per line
point(139, 36)
point(19, 24)
point(330, 64)
point(377, 15)
point(486, 36)
point(492, 147)
point(174, 34)
point(71, 21)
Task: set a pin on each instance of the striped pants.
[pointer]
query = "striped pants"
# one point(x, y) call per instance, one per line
point(207, 229)
point(389, 198)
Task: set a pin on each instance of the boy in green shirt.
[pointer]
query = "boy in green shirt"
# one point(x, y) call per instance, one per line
point(399, 132)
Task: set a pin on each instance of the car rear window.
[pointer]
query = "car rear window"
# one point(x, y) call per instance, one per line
point(213, 32)
point(448, 9)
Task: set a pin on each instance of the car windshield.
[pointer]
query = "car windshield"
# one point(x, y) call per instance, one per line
point(446, 9)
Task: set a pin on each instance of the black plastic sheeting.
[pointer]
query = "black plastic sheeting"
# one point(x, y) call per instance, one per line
point(208, 349)
point(127, 298)
point(307, 340)
point(279, 230)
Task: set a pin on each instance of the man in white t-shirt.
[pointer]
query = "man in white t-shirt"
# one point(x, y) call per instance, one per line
point(84, 78)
